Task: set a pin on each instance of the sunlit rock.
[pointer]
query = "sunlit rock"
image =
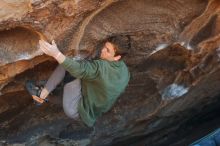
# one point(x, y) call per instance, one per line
point(171, 46)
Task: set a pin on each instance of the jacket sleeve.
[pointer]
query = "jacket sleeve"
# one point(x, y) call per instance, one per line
point(81, 69)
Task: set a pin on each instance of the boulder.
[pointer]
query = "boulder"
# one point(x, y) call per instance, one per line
point(172, 58)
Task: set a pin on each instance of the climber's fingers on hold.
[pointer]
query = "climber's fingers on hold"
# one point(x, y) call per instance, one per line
point(44, 47)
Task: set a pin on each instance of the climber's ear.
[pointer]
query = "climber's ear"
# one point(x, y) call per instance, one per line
point(116, 58)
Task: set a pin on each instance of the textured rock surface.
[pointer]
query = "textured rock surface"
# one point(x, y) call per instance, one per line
point(172, 58)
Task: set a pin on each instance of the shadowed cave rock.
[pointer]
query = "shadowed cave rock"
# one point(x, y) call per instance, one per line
point(175, 76)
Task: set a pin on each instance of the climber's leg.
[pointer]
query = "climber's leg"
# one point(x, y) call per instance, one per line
point(56, 77)
point(71, 98)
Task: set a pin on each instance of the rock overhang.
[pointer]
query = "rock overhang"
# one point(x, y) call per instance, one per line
point(185, 60)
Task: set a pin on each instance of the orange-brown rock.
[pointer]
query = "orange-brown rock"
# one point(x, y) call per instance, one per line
point(172, 58)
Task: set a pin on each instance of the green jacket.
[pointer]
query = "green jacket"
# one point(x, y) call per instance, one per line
point(102, 82)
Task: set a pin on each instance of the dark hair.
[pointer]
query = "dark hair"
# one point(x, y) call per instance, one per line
point(117, 46)
point(118, 51)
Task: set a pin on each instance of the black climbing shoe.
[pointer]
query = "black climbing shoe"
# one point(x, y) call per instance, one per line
point(35, 91)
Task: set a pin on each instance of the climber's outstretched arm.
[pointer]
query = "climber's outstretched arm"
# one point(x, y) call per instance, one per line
point(78, 69)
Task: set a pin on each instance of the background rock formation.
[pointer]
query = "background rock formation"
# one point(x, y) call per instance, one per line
point(172, 58)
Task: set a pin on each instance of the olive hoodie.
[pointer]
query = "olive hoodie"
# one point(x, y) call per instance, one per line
point(102, 82)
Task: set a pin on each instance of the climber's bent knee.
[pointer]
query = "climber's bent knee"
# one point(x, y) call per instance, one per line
point(71, 98)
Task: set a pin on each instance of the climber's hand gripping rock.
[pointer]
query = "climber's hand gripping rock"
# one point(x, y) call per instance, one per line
point(51, 50)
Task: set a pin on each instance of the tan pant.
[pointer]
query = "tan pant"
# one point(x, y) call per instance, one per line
point(71, 93)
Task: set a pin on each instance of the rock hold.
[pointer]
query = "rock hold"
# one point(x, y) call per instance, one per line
point(172, 58)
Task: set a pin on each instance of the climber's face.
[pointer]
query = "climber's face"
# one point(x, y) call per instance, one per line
point(108, 52)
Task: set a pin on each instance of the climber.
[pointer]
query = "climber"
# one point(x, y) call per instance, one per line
point(97, 86)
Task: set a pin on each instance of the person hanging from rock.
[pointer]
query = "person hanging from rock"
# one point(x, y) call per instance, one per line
point(97, 86)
